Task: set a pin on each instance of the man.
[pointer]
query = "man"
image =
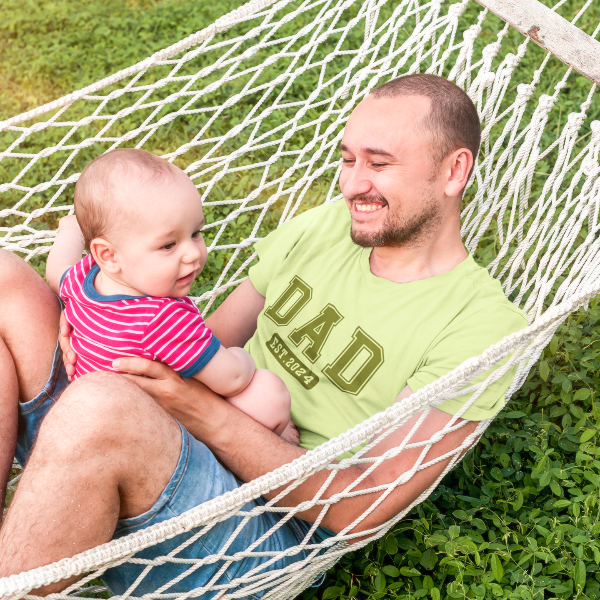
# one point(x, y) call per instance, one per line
point(354, 304)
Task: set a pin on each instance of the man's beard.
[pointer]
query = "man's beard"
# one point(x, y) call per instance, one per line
point(396, 231)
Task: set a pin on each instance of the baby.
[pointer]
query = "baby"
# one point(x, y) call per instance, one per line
point(141, 219)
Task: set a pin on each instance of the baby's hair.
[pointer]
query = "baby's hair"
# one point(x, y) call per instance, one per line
point(95, 189)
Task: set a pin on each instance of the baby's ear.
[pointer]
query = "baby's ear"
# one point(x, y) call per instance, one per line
point(105, 256)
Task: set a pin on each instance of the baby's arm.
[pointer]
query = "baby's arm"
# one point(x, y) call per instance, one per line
point(228, 372)
point(66, 251)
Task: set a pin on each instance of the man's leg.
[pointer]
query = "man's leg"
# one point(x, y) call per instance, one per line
point(28, 333)
point(105, 451)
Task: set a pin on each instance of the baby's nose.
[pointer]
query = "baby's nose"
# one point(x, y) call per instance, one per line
point(192, 253)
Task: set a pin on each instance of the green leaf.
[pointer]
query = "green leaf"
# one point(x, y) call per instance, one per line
point(582, 394)
point(561, 503)
point(435, 594)
point(579, 574)
point(436, 539)
point(461, 514)
point(429, 559)
point(408, 572)
point(454, 531)
point(391, 545)
point(391, 571)
point(518, 503)
point(587, 435)
point(576, 411)
point(497, 568)
point(558, 589)
point(580, 539)
point(545, 479)
point(515, 414)
point(555, 567)
point(544, 370)
point(553, 345)
point(380, 582)
point(333, 592)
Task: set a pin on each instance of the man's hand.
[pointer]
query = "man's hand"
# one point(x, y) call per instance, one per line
point(69, 357)
point(180, 397)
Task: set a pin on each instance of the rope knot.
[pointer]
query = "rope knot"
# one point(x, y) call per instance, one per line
point(524, 92)
point(470, 35)
point(456, 10)
point(491, 50)
point(511, 61)
point(595, 127)
point(546, 103)
point(575, 120)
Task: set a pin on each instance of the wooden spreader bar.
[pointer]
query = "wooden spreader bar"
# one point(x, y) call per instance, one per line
point(552, 32)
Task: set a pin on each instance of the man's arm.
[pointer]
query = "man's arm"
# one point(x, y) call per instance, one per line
point(250, 450)
point(66, 251)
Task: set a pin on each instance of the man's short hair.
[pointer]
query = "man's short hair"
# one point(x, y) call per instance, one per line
point(96, 187)
point(453, 120)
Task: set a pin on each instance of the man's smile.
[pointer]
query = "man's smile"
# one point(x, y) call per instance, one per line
point(362, 208)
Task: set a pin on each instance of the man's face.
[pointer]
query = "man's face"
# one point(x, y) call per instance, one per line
point(388, 179)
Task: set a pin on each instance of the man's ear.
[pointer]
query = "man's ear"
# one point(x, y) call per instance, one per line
point(105, 255)
point(459, 166)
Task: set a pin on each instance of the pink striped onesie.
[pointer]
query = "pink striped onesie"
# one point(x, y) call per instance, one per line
point(170, 330)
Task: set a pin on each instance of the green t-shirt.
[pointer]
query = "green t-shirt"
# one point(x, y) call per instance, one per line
point(346, 342)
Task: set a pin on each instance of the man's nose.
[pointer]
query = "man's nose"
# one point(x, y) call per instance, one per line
point(355, 181)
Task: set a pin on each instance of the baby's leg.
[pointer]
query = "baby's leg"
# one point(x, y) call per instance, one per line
point(266, 399)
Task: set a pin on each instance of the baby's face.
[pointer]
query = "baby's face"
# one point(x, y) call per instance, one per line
point(160, 248)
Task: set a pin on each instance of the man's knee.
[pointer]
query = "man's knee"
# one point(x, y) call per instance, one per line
point(12, 266)
point(103, 411)
point(23, 290)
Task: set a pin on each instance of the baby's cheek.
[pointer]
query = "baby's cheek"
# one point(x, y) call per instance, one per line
point(158, 279)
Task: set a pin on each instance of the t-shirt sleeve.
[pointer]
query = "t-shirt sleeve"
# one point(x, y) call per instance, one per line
point(178, 336)
point(274, 249)
point(61, 291)
point(467, 339)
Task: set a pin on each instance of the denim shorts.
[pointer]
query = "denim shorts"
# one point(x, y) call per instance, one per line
point(198, 477)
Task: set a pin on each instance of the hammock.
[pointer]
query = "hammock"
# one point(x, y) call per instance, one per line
point(264, 102)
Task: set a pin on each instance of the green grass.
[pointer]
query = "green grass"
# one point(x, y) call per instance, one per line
point(519, 517)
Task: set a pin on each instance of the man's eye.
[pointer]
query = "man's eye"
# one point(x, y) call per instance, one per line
point(169, 246)
point(196, 234)
point(378, 165)
point(347, 161)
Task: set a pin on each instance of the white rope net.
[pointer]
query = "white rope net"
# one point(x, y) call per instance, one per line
point(264, 107)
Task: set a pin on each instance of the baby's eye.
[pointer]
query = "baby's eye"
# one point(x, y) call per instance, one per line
point(196, 234)
point(168, 246)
